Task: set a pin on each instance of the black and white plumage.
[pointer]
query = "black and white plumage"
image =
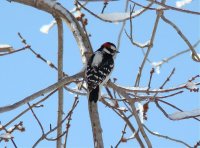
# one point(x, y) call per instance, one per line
point(99, 68)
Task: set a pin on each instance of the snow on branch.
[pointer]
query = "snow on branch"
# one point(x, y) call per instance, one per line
point(6, 48)
point(118, 16)
point(60, 11)
point(182, 3)
point(185, 114)
point(45, 28)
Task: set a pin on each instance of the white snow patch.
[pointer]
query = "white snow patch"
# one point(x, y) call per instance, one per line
point(118, 16)
point(185, 114)
point(136, 88)
point(133, 135)
point(195, 58)
point(49, 62)
point(21, 127)
point(182, 3)
point(6, 136)
point(6, 48)
point(11, 129)
point(156, 65)
point(45, 28)
point(141, 111)
point(51, 3)
point(191, 85)
point(156, 133)
point(77, 14)
point(122, 108)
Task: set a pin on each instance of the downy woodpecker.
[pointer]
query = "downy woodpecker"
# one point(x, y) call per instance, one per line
point(99, 68)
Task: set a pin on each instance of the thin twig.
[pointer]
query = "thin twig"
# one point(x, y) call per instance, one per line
point(143, 97)
point(84, 22)
point(168, 78)
point(166, 60)
point(23, 40)
point(68, 126)
point(141, 11)
point(122, 28)
point(48, 89)
point(122, 136)
point(174, 8)
point(137, 136)
point(161, 87)
point(15, 51)
point(149, 8)
point(181, 35)
point(140, 45)
point(53, 129)
point(137, 81)
point(104, 6)
point(126, 120)
point(134, 111)
point(166, 137)
point(174, 107)
point(38, 121)
point(131, 24)
point(48, 62)
point(26, 110)
point(151, 74)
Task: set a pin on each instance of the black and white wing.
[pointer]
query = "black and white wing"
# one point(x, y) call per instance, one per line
point(97, 75)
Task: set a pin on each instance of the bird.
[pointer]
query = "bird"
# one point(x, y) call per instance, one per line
point(99, 67)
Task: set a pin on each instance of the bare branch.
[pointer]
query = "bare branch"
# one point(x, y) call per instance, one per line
point(44, 136)
point(136, 14)
point(166, 60)
point(122, 28)
point(60, 76)
point(181, 35)
point(166, 137)
point(96, 126)
point(151, 74)
point(56, 85)
point(174, 8)
point(23, 40)
point(149, 8)
point(14, 51)
point(38, 121)
point(26, 110)
point(68, 126)
point(137, 81)
point(72, 23)
point(134, 111)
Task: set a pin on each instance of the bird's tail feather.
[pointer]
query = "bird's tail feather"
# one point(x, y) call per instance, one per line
point(94, 94)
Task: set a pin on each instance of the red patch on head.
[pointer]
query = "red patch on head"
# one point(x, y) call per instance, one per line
point(106, 45)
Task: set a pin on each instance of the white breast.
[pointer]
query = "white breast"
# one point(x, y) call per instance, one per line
point(97, 59)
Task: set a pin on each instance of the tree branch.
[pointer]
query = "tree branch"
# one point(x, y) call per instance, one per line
point(96, 125)
point(182, 36)
point(42, 92)
point(166, 137)
point(137, 81)
point(55, 8)
point(60, 76)
point(174, 8)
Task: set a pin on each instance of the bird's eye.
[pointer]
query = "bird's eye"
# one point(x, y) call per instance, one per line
point(113, 48)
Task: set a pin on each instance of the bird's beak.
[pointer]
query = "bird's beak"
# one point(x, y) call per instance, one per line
point(117, 51)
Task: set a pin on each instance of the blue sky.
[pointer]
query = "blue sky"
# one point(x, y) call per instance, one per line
point(22, 73)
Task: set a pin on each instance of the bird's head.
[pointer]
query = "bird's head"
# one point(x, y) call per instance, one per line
point(109, 48)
